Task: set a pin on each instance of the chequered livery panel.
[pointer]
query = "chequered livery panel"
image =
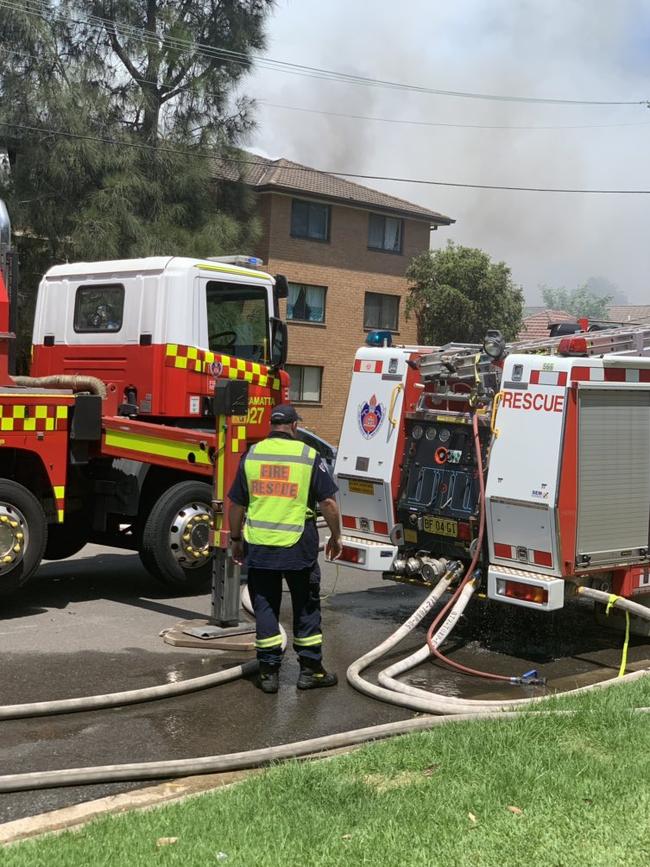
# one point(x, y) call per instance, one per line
point(33, 417)
point(215, 364)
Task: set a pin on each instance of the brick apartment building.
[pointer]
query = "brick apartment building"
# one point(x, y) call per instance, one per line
point(344, 249)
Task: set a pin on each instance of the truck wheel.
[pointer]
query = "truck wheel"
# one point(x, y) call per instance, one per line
point(175, 539)
point(23, 534)
point(64, 540)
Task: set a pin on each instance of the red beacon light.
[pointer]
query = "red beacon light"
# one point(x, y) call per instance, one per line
point(573, 346)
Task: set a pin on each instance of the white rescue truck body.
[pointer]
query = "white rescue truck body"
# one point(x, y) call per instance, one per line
point(564, 435)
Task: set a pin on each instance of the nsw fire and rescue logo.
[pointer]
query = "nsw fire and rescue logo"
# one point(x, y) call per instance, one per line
point(371, 416)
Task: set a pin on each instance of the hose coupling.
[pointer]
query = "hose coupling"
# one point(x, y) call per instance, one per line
point(529, 678)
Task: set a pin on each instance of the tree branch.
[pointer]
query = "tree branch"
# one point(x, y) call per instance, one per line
point(133, 71)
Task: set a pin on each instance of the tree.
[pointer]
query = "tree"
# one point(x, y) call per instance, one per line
point(580, 301)
point(458, 293)
point(117, 115)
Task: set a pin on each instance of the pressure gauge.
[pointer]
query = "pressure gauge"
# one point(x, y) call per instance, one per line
point(444, 434)
point(418, 430)
point(431, 433)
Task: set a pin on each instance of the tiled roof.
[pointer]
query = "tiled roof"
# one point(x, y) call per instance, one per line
point(285, 176)
point(630, 313)
point(536, 327)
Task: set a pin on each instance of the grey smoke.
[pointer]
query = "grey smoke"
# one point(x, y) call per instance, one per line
point(565, 48)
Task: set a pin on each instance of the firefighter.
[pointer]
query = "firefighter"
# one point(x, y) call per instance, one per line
point(273, 521)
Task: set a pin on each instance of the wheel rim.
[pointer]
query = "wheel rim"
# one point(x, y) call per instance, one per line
point(14, 537)
point(189, 536)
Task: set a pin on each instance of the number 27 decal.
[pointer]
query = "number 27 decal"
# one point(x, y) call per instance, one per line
point(255, 415)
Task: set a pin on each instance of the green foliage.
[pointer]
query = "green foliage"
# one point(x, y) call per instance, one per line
point(580, 301)
point(457, 293)
point(115, 126)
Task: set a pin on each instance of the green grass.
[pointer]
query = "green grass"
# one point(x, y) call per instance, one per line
point(581, 782)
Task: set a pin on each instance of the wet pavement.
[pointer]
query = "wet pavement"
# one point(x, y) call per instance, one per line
point(92, 625)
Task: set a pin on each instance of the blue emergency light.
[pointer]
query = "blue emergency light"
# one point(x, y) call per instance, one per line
point(379, 338)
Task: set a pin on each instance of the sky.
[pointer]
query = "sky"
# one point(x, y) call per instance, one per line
point(568, 49)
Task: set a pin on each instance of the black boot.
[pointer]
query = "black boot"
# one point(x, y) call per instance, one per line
point(268, 679)
point(314, 676)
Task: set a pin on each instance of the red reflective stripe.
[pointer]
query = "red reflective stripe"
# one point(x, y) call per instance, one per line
point(615, 374)
point(504, 551)
point(534, 377)
point(644, 375)
point(364, 365)
point(561, 377)
point(381, 527)
point(581, 374)
point(349, 522)
point(543, 558)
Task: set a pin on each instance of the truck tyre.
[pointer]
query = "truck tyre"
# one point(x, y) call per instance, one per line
point(175, 539)
point(23, 534)
point(64, 540)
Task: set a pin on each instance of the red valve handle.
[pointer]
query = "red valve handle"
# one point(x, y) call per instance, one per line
point(441, 455)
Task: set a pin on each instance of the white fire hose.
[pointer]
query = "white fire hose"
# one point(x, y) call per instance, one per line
point(448, 709)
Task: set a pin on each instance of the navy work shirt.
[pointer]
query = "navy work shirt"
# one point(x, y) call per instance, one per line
point(304, 553)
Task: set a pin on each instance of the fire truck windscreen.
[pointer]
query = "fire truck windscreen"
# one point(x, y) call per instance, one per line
point(238, 320)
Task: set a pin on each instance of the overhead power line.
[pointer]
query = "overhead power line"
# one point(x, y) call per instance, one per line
point(32, 7)
point(391, 120)
point(431, 123)
point(305, 169)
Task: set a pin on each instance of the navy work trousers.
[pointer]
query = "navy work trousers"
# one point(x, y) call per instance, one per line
point(265, 588)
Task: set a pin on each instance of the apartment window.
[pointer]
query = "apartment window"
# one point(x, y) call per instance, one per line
point(310, 220)
point(381, 311)
point(99, 308)
point(306, 303)
point(305, 383)
point(385, 233)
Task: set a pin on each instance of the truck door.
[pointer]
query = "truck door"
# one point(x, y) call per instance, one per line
point(367, 450)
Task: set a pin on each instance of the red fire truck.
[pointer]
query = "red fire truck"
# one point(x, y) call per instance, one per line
point(149, 379)
point(530, 462)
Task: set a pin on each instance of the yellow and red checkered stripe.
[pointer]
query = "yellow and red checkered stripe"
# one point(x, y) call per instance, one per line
point(238, 441)
point(215, 364)
point(25, 417)
point(59, 496)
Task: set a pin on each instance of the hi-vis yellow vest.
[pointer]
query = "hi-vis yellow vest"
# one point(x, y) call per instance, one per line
point(278, 473)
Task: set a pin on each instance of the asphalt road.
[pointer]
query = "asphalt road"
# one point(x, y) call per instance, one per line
point(92, 625)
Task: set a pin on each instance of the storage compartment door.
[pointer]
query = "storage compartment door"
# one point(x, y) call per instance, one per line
point(613, 475)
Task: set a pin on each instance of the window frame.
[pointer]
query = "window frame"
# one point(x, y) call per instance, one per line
point(382, 295)
point(263, 292)
point(301, 399)
point(77, 303)
point(322, 321)
point(384, 249)
point(307, 236)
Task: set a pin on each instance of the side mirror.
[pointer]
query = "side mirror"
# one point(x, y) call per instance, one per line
point(279, 342)
point(281, 288)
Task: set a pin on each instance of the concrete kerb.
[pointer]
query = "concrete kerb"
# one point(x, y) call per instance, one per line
point(149, 798)
point(75, 817)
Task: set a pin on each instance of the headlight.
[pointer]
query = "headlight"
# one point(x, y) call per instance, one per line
point(494, 345)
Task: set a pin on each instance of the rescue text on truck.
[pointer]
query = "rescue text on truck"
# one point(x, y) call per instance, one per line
point(558, 429)
point(119, 435)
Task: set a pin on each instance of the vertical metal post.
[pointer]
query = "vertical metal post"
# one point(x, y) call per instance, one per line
point(225, 590)
point(225, 575)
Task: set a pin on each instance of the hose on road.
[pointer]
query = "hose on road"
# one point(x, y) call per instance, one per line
point(137, 696)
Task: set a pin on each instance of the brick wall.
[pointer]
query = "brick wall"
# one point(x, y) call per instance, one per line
point(348, 269)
